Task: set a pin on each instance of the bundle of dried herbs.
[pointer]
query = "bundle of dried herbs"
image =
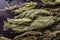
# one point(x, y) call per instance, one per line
point(34, 22)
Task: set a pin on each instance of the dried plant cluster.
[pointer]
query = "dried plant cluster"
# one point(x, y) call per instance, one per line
point(35, 22)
